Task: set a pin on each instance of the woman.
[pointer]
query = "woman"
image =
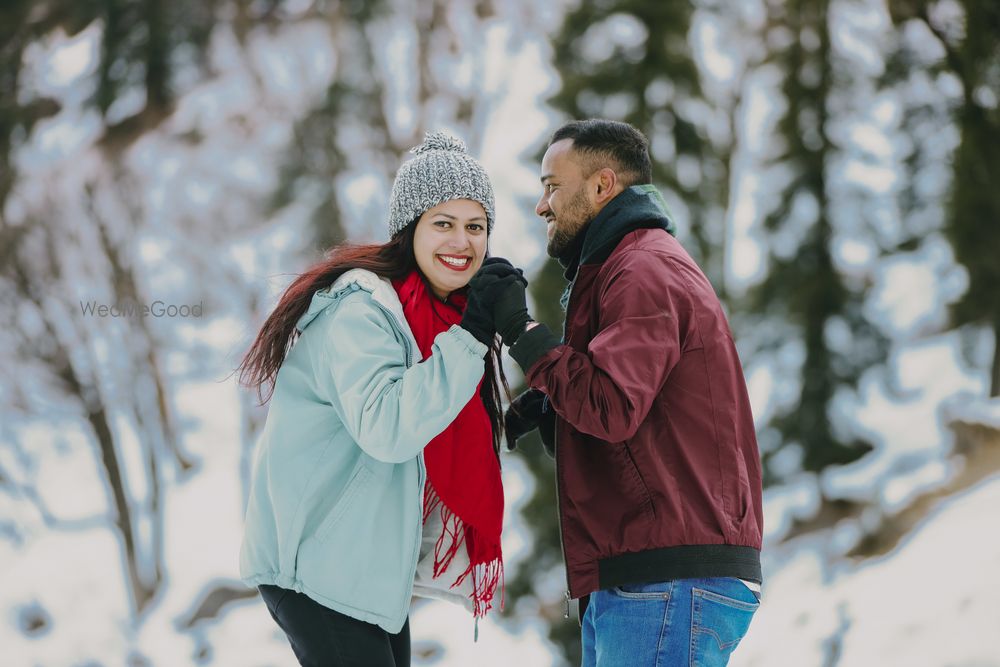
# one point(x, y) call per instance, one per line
point(377, 474)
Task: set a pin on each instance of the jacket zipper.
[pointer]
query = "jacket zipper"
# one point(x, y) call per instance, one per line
point(420, 466)
point(559, 484)
point(562, 538)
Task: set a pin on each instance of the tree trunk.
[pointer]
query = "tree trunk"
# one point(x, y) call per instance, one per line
point(995, 376)
point(142, 592)
point(157, 55)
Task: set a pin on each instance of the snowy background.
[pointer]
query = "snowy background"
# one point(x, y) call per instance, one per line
point(122, 490)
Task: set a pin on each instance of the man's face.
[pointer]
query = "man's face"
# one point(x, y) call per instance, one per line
point(566, 202)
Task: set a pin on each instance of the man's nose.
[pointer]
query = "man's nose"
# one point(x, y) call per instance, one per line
point(542, 207)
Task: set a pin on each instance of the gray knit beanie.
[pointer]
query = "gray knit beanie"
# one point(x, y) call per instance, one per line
point(442, 170)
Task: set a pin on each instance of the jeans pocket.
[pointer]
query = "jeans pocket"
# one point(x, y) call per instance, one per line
point(659, 590)
point(718, 623)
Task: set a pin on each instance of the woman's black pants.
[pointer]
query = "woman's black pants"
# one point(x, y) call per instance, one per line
point(323, 637)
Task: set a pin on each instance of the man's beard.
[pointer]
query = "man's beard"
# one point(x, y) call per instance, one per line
point(576, 216)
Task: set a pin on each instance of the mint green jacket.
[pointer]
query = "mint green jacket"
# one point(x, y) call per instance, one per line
point(336, 496)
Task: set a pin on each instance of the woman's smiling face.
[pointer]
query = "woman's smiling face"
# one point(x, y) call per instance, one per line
point(449, 244)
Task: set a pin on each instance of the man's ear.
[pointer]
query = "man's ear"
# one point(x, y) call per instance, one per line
point(608, 185)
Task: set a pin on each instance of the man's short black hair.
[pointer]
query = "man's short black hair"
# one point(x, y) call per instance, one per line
point(610, 143)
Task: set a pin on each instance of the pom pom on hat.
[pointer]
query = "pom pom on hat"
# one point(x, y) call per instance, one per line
point(440, 141)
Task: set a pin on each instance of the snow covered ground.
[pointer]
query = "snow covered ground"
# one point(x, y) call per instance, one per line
point(933, 602)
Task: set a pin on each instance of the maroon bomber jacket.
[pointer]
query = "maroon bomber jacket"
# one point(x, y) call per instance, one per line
point(657, 465)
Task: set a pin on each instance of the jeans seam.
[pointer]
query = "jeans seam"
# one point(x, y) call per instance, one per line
point(695, 611)
point(629, 595)
point(726, 600)
point(663, 625)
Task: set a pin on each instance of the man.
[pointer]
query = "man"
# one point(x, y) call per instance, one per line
point(645, 406)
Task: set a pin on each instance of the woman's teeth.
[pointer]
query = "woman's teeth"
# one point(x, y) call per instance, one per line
point(454, 261)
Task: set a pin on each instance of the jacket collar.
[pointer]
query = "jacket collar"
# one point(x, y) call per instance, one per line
point(637, 207)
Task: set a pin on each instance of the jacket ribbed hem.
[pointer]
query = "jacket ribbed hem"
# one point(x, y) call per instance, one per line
point(682, 562)
point(532, 346)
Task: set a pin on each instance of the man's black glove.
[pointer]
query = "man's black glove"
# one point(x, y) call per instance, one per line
point(522, 416)
point(527, 412)
point(499, 284)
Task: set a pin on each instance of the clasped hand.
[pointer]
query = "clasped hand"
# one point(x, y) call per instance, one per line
point(496, 302)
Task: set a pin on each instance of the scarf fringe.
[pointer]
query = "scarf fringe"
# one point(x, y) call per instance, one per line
point(485, 576)
point(485, 579)
point(452, 535)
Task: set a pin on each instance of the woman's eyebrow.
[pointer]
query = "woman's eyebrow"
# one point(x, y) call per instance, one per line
point(451, 217)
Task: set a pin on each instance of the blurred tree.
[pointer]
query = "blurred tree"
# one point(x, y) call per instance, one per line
point(380, 103)
point(140, 44)
point(970, 51)
point(316, 160)
point(915, 76)
point(974, 219)
point(137, 41)
point(21, 21)
point(805, 295)
point(632, 61)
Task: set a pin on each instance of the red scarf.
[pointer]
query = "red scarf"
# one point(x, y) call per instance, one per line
point(463, 473)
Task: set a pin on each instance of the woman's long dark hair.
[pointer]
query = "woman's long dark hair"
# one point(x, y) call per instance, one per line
point(391, 260)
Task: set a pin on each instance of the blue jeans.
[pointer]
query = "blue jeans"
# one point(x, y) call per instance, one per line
point(681, 623)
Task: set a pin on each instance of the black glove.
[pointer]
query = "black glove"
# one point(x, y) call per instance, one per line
point(510, 311)
point(499, 267)
point(527, 412)
point(478, 317)
point(505, 295)
point(522, 416)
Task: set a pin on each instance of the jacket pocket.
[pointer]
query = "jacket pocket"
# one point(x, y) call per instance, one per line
point(634, 481)
point(358, 479)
